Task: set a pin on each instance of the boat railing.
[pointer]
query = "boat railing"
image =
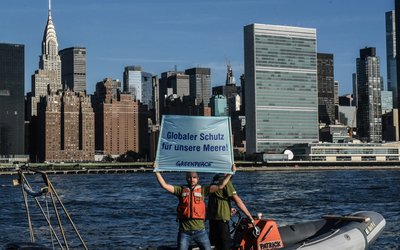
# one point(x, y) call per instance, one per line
point(59, 209)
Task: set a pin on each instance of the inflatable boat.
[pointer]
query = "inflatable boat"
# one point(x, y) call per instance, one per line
point(356, 232)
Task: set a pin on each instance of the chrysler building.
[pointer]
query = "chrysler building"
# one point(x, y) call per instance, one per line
point(47, 79)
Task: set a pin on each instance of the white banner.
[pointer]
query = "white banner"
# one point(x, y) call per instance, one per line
point(195, 144)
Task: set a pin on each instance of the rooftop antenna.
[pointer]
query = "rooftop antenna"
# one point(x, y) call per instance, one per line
point(49, 6)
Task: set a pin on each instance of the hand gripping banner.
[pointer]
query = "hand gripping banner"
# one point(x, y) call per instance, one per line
point(195, 144)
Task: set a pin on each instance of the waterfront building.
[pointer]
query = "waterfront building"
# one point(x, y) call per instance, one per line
point(219, 106)
point(12, 100)
point(391, 54)
point(326, 89)
point(281, 87)
point(73, 68)
point(116, 119)
point(369, 109)
point(347, 152)
point(200, 85)
point(65, 130)
point(139, 84)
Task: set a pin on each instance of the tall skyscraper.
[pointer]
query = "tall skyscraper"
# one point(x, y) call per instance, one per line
point(12, 99)
point(73, 68)
point(200, 85)
point(139, 84)
point(397, 53)
point(391, 54)
point(369, 108)
point(326, 89)
point(336, 98)
point(281, 87)
point(47, 79)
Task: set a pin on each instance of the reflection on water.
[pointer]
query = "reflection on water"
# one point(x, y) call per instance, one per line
point(130, 210)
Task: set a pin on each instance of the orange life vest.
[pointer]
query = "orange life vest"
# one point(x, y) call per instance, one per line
point(191, 204)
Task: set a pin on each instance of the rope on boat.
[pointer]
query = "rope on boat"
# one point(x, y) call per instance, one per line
point(322, 239)
point(32, 193)
point(67, 214)
point(48, 215)
point(32, 235)
point(58, 217)
point(24, 180)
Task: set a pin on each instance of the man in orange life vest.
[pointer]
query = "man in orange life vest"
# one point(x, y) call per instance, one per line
point(192, 209)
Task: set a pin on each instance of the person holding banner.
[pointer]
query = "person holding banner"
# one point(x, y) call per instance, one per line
point(219, 213)
point(191, 208)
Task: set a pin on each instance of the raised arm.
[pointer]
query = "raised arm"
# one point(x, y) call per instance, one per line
point(162, 182)
point(242, 206)
point(223, 182)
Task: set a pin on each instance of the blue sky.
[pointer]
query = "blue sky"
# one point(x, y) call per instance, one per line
point(159, 34)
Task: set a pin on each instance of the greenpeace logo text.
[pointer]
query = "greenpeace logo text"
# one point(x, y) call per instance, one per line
point(193, 163)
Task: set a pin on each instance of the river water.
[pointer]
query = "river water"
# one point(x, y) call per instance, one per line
point(130, 211)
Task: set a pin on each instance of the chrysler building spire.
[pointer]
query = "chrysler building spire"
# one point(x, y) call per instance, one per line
point(49, 43)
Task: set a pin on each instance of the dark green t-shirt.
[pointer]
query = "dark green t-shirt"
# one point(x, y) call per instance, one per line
point(219, 207)
point(191, 224)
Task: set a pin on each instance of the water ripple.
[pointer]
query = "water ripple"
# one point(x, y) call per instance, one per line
point(131, 211)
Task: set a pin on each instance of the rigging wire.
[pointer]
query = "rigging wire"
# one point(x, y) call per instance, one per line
point(48, 215)
point(47, 191)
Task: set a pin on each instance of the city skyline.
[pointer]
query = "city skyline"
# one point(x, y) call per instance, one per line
point(189, 34)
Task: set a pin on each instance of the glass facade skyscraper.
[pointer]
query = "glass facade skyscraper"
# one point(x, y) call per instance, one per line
point(369, 108)
point(12, 100)
point(326, 89)
point(281, 87)
point(391, 54)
